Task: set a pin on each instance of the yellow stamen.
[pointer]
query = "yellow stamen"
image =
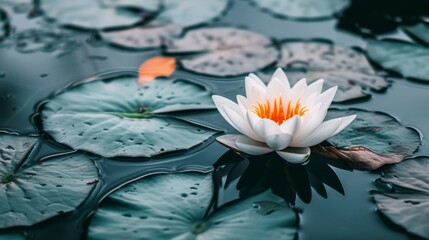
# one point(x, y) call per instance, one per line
point(275, 110)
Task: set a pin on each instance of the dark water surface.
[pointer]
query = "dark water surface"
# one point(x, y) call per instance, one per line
point(27, 79)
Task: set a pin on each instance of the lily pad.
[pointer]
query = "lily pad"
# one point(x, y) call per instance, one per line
point(32, 191)
point(98, 14)
point(419, 31)
point(339, 66)
point(302, 9)
point(404, 195)
point(372, 140)
point(174, 207)
point(409, 60)
point(223, 51)
point(119, 117)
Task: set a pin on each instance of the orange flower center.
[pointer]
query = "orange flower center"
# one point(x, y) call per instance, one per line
point(277, 111)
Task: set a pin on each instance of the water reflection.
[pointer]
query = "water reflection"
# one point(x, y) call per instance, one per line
point(249, 175)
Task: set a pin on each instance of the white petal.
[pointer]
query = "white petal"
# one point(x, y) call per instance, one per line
point(275, 88)
point(243, 103)
point(298, 89)
point(321, 133)
point(315, 87)
point(257, 80)
point(241, 123)
point(310, 121)
point(253, 119)
point(295, 155)
point(290, 126)
point(344, 123)
point(265, 127)
point(220, 102)
point(280, 75)
point(255, 88)
point(228, 140)
point(326, 97)
point(278, 141)
point(250, 146)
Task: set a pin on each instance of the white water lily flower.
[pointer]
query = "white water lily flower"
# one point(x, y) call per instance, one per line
point(279, 118)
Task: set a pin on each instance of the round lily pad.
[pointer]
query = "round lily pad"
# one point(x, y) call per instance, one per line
point(302, 9)
point(223, 51)
point(119, 117)
point(32, 191)
point(372, 140)
point(409, 60)
point(98, 14)
point(174, 207)
point(403, 195)
point(339, 66)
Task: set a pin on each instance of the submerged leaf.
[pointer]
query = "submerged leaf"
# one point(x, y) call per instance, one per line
point(404, 195)
point(177, 211)
point(372, 140)
point(223, 51)
point(156, 67)
point(119, 117)
point(302, 9)
point(98, 14)
point(405, 58)
point(339, 66)
point(34, 191)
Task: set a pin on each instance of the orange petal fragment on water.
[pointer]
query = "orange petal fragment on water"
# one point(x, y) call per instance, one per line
point(156, 67)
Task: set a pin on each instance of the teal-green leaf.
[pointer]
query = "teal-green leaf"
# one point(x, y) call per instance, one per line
point(173, 207)
point(409, 60)
point(403, 195)
point(119, 117)
point(419, 31)
point(372, 140)
point(97, 14)
point(32, 191)
point(302, 9)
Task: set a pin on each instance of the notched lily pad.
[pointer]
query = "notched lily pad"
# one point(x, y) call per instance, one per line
point(98, 14)
point(223, 51)
point(119, 117)
point(409, 60)
point(174, 207)
point(344, 67)
point(372, 140)
point(403, 195)
point(302, 9)
point(32, 191)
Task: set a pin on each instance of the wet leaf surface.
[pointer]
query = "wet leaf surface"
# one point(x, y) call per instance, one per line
point(178, 209)
point(156, 67)
point(339, 66)
point(420, 32)
point(403, 195)
point(372, 140)
point(32, 191)
point(223, 51)
point(98, 14)
point(4, 25)
point(409, 60)
point(302, 9)
point(119, 117)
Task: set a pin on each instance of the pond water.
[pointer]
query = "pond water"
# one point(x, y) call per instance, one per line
point(41, 61)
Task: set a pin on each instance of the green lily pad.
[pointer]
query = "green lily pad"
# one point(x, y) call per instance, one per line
point(174, 207)
point(98, 14)
point(404, 195)
point(32, 191)
point(223, 51)
point(419, 31)
point(339, 66)
point(409, 60)
point(302, 9)
point(372, 140)
point(119, 117)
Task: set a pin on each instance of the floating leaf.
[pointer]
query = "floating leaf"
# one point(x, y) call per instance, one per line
point(404, 195)
point(156, 67)
point(302, 9)
point(119, 117)
point(372, 140)
point(223, 51)
point(174, 207)
point(405, 58)
point(98, 14)
point(339, 66)
point(33, 191)
point(419, 31)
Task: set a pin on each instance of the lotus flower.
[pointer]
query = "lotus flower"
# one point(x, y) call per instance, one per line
point(280, 118)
